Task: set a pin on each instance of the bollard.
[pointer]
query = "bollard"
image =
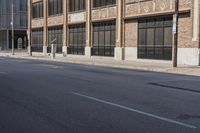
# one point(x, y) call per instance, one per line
point(53, 51)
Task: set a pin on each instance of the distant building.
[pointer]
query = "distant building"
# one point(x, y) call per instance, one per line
point(120, 29)
point(20, 24)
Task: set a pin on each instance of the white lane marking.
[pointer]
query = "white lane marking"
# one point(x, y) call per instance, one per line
point(50, 66)
point(136, 111)
point(21, 61)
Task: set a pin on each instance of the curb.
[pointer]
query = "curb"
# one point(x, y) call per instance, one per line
point(164, 70)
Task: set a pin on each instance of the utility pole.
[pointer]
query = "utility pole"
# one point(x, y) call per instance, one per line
point(175, 33)
point(12, 27)
point(29, 27)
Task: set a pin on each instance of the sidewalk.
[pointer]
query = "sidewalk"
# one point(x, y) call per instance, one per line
point(160, 66)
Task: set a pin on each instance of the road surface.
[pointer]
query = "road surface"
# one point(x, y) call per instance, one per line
point(50, 97)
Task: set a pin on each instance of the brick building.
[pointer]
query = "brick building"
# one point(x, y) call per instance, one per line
point(118, 29)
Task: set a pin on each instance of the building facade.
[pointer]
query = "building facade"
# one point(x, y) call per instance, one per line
point(20, 24)
point(118, 29)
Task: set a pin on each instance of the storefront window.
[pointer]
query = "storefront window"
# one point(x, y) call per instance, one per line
point(155, 38)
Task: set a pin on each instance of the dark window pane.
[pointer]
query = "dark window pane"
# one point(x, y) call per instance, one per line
point(142, 23)
point(37, 10)
point(77, 39)
point(150, 23)
point(159, 43)
point(159, 37)
point(150, 43)
point(37, 40)
point(155, 38)
point(142, 37)
point(168, 36)
point(107, 38)
point(100, 3)
point(55, 7)
point(113, 37)
point(103, 39)
point(95, 38)
point(55, 35)
point(76, 5)
point(150, 37)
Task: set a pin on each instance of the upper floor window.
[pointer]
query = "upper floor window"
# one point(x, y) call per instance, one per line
point(55, 7)
point(37, 10)
point(76, 5)
point(100, 3)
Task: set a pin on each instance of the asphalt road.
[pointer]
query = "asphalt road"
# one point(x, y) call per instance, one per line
point(50, 97)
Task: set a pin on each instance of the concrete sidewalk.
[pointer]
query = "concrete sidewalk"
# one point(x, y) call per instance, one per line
point(146, 65)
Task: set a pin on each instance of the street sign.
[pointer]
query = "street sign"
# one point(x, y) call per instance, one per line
point(174, 29)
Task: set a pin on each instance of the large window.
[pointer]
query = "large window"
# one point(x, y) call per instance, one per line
point(55, 35)
point(20, 14)
point(37, 9)
point(37, 40)
point(76, 39)
point(55, 7)
point(76, 5)
point(3, 39)
point(155, 38)
point(100, 3)
point(104, 38)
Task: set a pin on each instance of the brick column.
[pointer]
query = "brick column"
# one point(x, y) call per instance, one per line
point(196, 25)
point(88, 29)
point(119, 50)
point(65, 40)
point(196, 13)
point(45, 29)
